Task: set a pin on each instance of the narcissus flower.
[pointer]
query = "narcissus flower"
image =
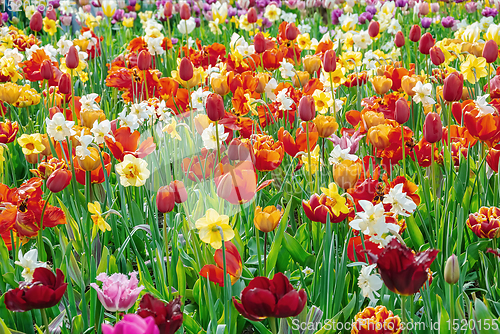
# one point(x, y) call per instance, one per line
point(97, 218)
point(234, 265)
point(31, 144)
point(29, 262)
point(168, 317)
point(485, 223)
point(474, 68)
point(133, 171)
point(209, 226)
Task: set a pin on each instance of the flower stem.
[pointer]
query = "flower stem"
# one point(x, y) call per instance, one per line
point(217, 139)
point(272, 323)
point(265, 254)
point(165, 237)
point(309, 158)
point(403, 314)
point(41, 249)
point(45, 320)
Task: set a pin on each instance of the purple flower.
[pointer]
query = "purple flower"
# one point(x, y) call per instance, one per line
point(206, 7)
point(323, 30)
point(118, 292)
point(350, 142)
point(266, 23)
point(401, 3)
point(364, 17)
point(5, 17)
point(471, 7)
point(426, 22)
point(231, 11)
point(196, 10)
point(198, 22)
point(336, 13)
point(119, 14)
point(371, 9)
point(65, 20)
point(448, 22)
point(132, 323)
point(174, 40)
point(96, 3)
point(489, 12)
point(54, 3)
point(292, 4)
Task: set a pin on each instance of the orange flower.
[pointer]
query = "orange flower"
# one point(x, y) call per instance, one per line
point(234, 265)
point(246, 80)
point(268, 153)
point(46, 168)
point(267, 219)
point(32, 67)
point(423, 152)
point(378, 136)
point(372, 118)
point(123, 142)
point(97, 174)
point(485, 223)
point(381, 84)
point(408, 82)
point(347, 173)
point(299, 144)
point(8, 131)
point(300, 79)
point(356, 79)
point(376, 320)
point(483, 126)
point(200, 167)
point(326, 125)
point(236, 184)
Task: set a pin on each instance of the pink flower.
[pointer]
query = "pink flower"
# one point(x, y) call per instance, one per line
point(132, 323)
point(118, 293)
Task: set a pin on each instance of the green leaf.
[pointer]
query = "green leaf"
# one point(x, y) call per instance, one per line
point(103, 265)
point(276, 245)
point(181, 279)
point(484, 320)
point(415, 235)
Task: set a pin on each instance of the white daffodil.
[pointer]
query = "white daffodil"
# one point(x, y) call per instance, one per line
point(286, 69)
point(89, 102)
point(59, 128)
point(101, 130)
point(422, 94)
point(369, 283)
point(29, 262)
point(401, 204)
point(337, 155)
point(209, 136)
point(483, 106)
point(82, 150)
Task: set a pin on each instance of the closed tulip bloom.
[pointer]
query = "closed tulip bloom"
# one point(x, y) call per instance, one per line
point(381, 84)
point(118, 292)
point(453, 87)
point(437, 55)
point(300, 79)
point(90, 162)
point(326, 125)
point(36, 21)
point(490, 51)
point(185, 12)
point(330, 61)
point(144, 60)
point(452, 270)
point(399, 39)
point(426, 43)
point(215, 107)
point(186, 69)
point(180, 193)
point(132, 323)
point(423, 9)
point(64, 84)
point(402, 111)
point(373, 29)
point(433, 128)
point(259, 42)
point(252, 15)
point(72, 58)
point(10, 92)
point(346, 173)
point(291, 31)
point(167, 10)
point(165, 199)
point(415, 33)
point(312, 64)
point(307, 108)
point(168, 317)
point(46, 70)
point(51, 14)
point(59, 180)
point(267, 219)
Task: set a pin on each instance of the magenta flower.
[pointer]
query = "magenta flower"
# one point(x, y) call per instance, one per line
point(132, 323)
point(118, 292)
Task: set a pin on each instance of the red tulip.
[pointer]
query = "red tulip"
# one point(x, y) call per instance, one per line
point(437, 55)
point(274, 298)
point(402, 271)
point(72, 58)
point(165, 199)
point(252, 15)
point(46, 290)
point(330, 61)
point(167, 10)
point(215, 107)
point(59, 180)
point(399, 40)
point(356, 245)
point(36, 21)
point(64, 84)
point(291, 31)
point(185, 12)
point(453, 87)
point(307, 108)
point(433, 128)
point(373, 29)
point(46, 70)
point(8, 131)
point(426, 43)
point(234, 265)
point(144, 60)
point(179, 190)
point(402, 111)
point(495, 87)
point(168, 317)
point(493, 158)
point(186, 69)
point(236, 184)
point(415, 33)
point(51, 14)
point(490, 51)
point(259, 42)
point(318, 207)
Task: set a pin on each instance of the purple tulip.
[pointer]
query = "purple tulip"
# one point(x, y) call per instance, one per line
point(231, 11)
point(119, 14)
point(55, 3)
point(336, 13)
point(323, 30)
point(132, 323)
point(174, 40)
point(471, 7)
point(118, 292)
point(426, 22)
point(489, 12)
point(448, 22)
point(132, 3)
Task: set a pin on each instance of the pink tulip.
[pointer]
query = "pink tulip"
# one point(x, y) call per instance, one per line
point(132, 323)
point(118, 293)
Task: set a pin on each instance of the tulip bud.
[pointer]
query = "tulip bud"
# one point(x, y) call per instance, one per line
point(307, 108)
point(252, 15)
point(165, 199)
point(452, 270)
point(402, 111)
point(373, 29)
point(186, 69)
point(180, 193)
point(259, 42)
point(36, 21)
point(233, 149)
point(437, 55)
point(72, 58)
point(426, 43)
point(215, 107)
point(399, 40)
point(144, 60)
point(167, 10)
point(291, 31)
point(423, 9)
point(490, 51)
point(185, 12)
point(51, 14)
point(330, 61)
point(453, 87)
point(46, 70)
point(415, 33)
point(64, 84)
point(59, 180)
point(433, 128)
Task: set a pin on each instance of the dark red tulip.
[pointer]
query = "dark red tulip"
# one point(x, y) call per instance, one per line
point(453, 87)
point(168, 317)
point(179, 190)
point(274, 298)
point(167, 10)
point(51, 14)
point(402, 271)
point(402, 111)
point(490, 51)
point(59, 180)
point(399, 40)
point(186, 69)
point(373, 29)
point(46, 70)
point(46, 290)
point(433, 128)
point(64, 84)
point(291, 31)
point(185, 12)
point(144, 60)
point(36, 21)
point(215, 107)
point(330, 61)
point(307, 108)
point(259, 42)
point(165, 199)
point(72, 58)
point(426, 43)
point(437, 55)
point(415, 33)
point(252, 15)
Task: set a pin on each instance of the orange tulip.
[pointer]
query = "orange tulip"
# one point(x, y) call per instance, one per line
point(300, 79)
point(326, 125)
point(236, 184)
point(378, 136)
point(268, 153)
point(299, 144)
point(267, 219)
point(312, 64)
point(372, 118)
point(347, 173)
point(381, 84)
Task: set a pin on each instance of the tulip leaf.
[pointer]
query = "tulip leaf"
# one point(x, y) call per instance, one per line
point(259, 326)
point(415, 235)
point(57, 322)
point(190, 325)
point(181, 279)
point(276, 245)
point(103, 264)
point(5, 265)
point(297, 252)
point(3, 328)
point(444, 322)
point(485, 322)
point(72, 228)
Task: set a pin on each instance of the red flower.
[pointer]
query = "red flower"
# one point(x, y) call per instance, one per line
point(403, 271)
point(299, 144)
point(200, 167)
point(485, 223)
point(356, 245)
point(97, 175)
point(234, 265)
point(45, 291)
point(168, 317)
point(318, 207)
point(59, 180)
point(8, 131)
point(123, 142)
point(275, 298)
point(268, 153)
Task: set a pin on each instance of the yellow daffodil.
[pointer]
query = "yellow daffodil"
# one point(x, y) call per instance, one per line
point(8, 68)
point(323, 101)
point(209, 225)
point(315, 161)
point(171, 129)
point(304, 41)
point(340, 201)
point(474, 68)
point(49, 26)
point(351, 59)
point(133, 171)
point(97, 218)
point(31, 144)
